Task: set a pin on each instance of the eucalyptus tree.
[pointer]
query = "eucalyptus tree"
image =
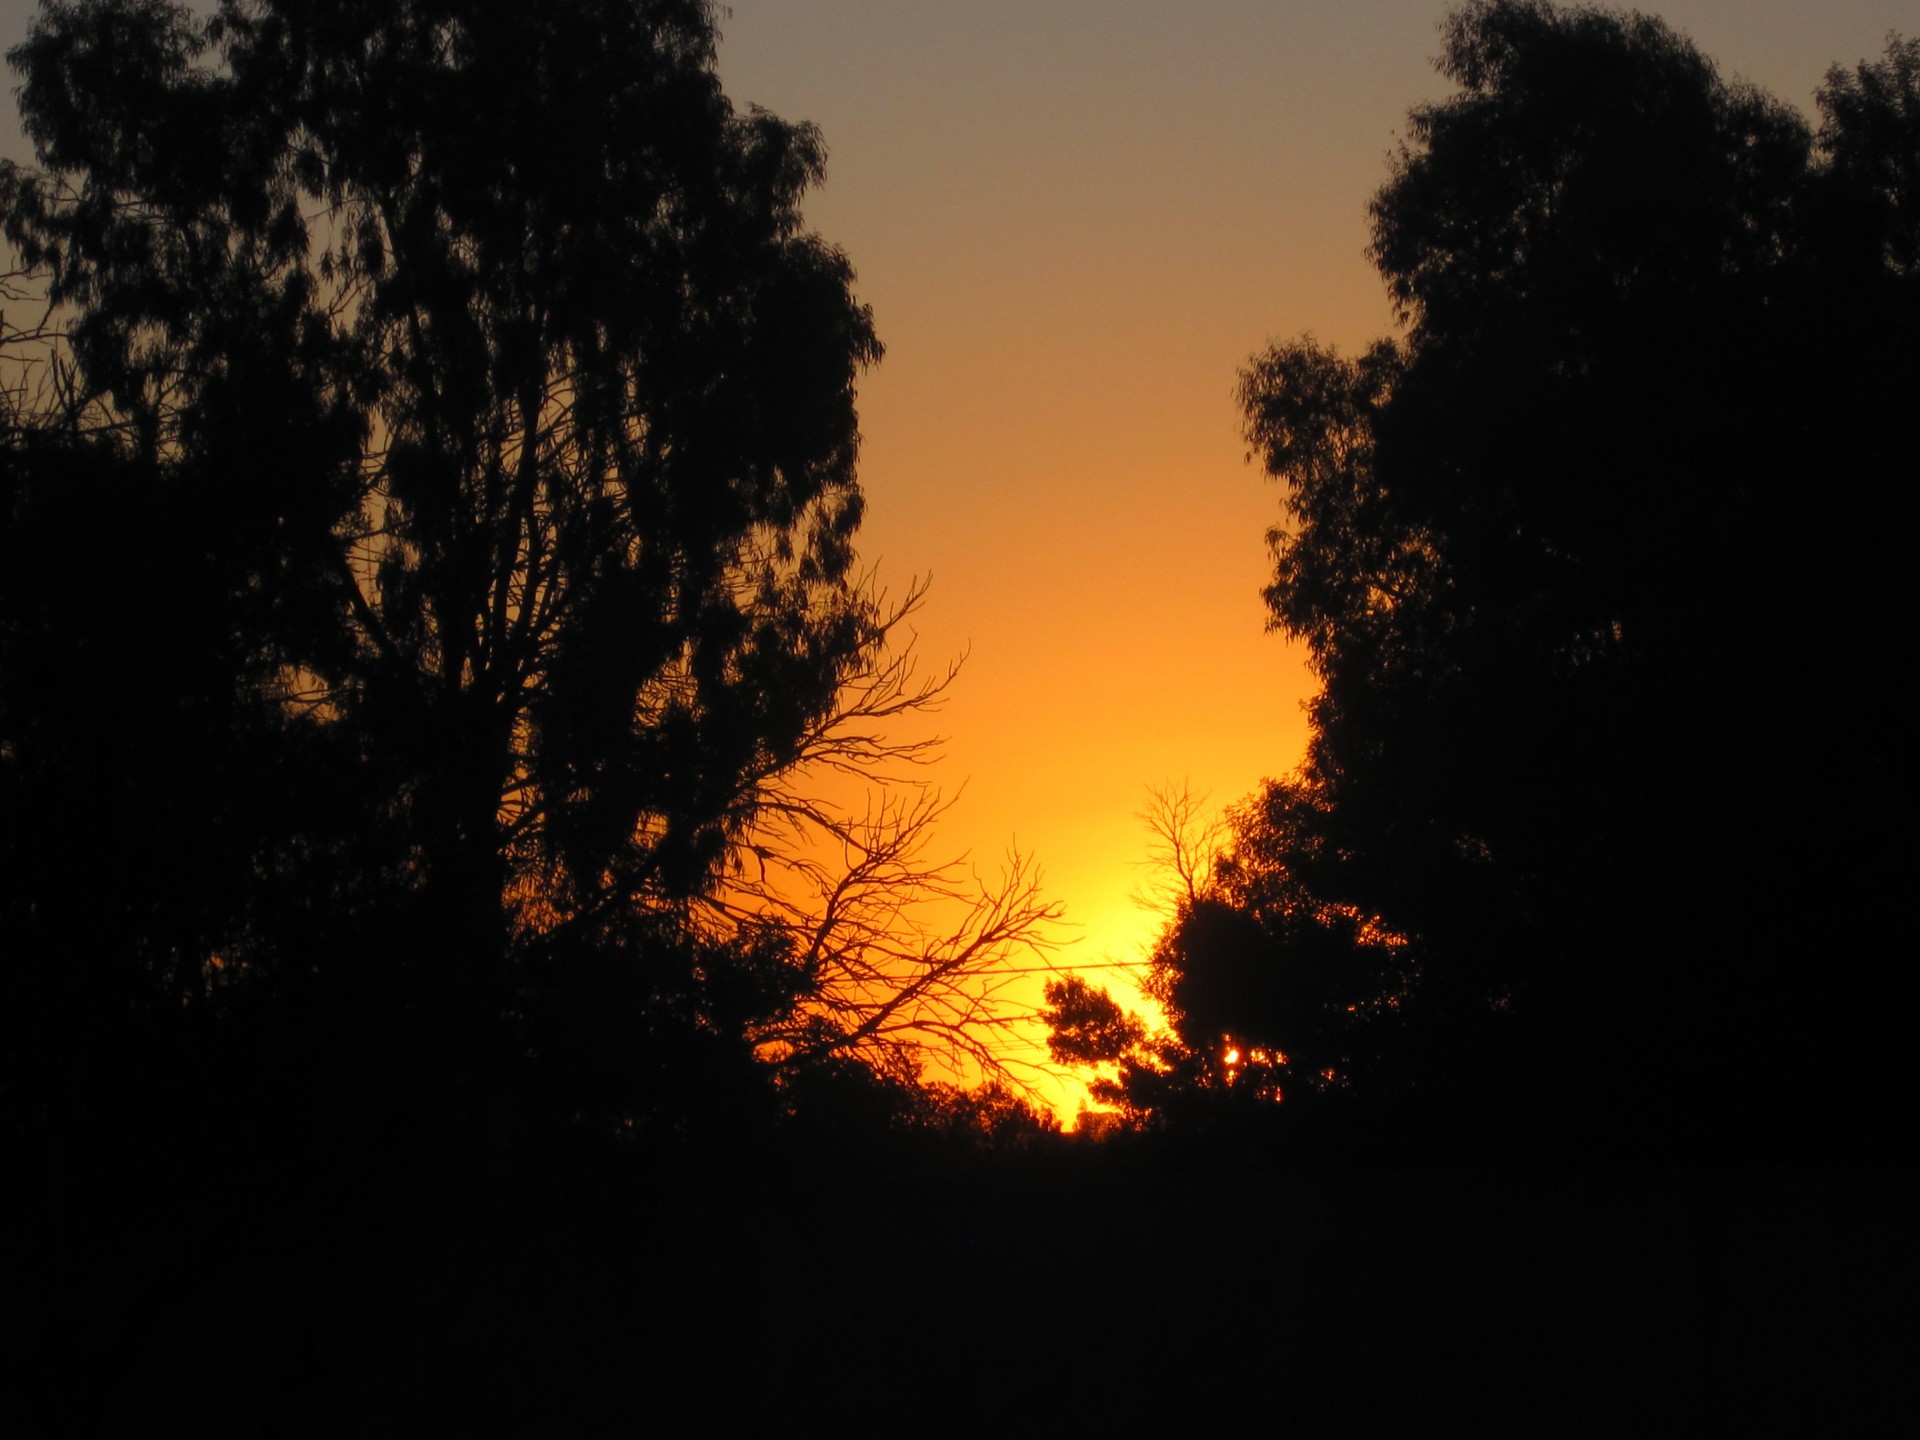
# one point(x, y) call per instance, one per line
point(512, 404)
point(1594, 564)
point(1572, 565)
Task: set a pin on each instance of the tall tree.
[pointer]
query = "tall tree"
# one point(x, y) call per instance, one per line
point(509, 408)
point(1553, 552)
point(1593, 569)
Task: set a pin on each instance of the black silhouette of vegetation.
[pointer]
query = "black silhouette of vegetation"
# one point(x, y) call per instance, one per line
point(449, 425)
point(1272, 993)
point(431, 628)
point(440, 995)
point(1597, 568)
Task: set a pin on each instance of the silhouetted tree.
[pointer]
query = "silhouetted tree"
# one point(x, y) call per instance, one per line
point(1087, 1027)
point(1594, 569)
point(857, 964)
point(1553, 551)
point(1272, 995)
point(155, 796)
point(468, 368)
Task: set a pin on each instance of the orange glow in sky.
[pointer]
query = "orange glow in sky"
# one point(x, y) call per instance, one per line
point(1075, 220)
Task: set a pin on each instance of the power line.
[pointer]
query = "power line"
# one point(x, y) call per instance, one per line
point(1056, 969)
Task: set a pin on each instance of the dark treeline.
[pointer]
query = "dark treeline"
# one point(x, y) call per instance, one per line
point(1595, 849)
point(429, 466)
point(427, 450)
point(431, 492)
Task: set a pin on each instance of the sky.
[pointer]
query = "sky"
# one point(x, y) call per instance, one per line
point(1075, 220)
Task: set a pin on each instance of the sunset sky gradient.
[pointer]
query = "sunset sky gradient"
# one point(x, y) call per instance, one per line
point(1075, 220)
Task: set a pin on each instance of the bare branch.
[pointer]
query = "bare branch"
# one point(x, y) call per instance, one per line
point(906, 957)
point(1186, 839)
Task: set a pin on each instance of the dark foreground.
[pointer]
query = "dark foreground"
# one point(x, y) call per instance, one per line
point(1065, 1289)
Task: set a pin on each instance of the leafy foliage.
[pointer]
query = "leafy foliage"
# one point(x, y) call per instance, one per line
point(465, 378)
point(1594, 567)
point(1270, 993)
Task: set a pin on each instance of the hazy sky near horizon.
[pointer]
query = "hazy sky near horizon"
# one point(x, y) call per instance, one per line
point(1075, 220)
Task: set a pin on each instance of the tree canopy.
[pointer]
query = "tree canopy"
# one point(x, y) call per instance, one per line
point(449, 412)
point(1596, 566)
